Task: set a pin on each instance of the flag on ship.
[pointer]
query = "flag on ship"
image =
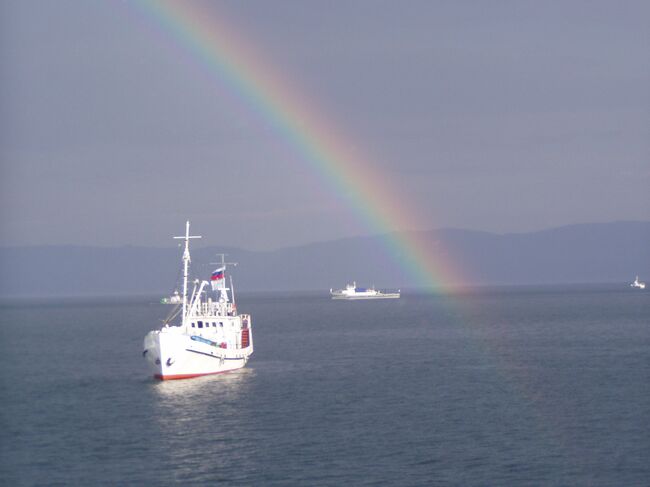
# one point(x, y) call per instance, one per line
point(217, 278)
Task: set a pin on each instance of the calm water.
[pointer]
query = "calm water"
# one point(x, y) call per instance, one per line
point(527, 386)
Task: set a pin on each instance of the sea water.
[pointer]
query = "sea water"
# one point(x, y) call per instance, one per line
point(500, 386)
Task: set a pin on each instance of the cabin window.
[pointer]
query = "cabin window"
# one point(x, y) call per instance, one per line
point(214, 325)
point(193, 325)
point(200, 324)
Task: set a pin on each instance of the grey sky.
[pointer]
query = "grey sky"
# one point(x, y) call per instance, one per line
point(498, 116)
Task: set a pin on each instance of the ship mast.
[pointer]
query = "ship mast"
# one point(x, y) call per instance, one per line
point(186, 265)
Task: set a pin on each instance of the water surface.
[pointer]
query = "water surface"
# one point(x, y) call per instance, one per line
point(502, 386)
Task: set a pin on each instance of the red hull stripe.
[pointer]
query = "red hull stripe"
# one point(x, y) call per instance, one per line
point(188, 376)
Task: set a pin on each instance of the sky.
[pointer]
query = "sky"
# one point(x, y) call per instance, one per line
point(502, 116)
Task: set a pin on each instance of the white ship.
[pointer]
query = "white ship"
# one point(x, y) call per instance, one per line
point(637, 283)
point(173, 299)
point(351, 291)
point(211, 337)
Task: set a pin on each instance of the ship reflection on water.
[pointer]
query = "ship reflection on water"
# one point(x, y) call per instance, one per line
point(201, 418)
point(221, 388)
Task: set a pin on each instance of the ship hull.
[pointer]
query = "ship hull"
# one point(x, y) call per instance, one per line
point(172, 355)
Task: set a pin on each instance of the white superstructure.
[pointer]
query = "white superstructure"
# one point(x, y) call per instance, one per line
point(637, 283)
point(351, 291)
point(211, 337)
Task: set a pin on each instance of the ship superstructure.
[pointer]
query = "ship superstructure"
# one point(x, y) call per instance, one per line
point(638, 284)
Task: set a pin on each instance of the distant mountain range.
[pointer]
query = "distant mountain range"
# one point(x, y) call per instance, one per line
point(585, 253)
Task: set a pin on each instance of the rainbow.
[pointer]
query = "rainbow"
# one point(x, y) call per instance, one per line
point(219, 48)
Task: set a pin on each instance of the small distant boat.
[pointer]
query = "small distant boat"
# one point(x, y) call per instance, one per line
point(637, 283)
point(173, 299)
point(351, 291)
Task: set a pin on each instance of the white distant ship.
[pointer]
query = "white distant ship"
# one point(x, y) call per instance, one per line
point(637, 283)
point(211, 337)
point(173, 299)
point(351, 291)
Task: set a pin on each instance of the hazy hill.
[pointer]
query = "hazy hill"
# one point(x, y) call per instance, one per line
point(607, 252)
